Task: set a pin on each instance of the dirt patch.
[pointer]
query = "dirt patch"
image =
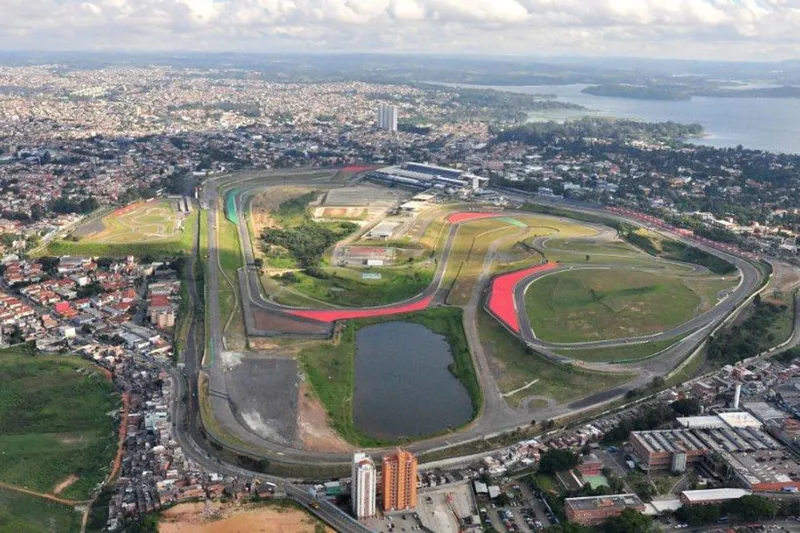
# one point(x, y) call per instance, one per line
point(265, 202)
point(61, 487)
point(312, 424)
point(234, 518)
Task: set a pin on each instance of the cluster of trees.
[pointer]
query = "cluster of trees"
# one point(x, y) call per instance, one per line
point(595, 127)
point(64, 204)
point(556, 460)
point(308, 241)
point(750, 508)
point(749, 338)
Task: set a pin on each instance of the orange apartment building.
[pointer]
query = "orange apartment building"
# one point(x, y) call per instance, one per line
point(399, 474)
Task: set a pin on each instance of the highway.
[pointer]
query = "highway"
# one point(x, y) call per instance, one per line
point(495, 418)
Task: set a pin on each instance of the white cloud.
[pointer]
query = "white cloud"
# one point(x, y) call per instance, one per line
point(712, 28)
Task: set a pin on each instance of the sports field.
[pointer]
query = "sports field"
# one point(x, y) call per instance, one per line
point(156, 227)
point(597, 304)
point(56, 431)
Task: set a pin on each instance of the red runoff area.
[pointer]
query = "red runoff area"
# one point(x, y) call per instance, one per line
point(501, 299)
point(458, 218)
point(332, 315)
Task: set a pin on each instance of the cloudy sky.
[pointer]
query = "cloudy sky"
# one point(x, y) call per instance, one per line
point(703, 29)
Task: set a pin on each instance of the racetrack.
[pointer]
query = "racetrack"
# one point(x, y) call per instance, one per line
point(496, 416)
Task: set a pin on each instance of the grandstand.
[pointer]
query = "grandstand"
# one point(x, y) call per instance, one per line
point(424, 176)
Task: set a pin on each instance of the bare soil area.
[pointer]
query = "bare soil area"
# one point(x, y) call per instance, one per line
point(64, 484)
point(266, 202)
point(235, 518)
point(312, 424)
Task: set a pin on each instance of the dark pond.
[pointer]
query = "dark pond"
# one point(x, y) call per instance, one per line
point(402, 385)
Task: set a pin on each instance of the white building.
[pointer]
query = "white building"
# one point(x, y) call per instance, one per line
point(363, 489)
point(387, 117)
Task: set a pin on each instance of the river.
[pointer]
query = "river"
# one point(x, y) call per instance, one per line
point(759, 123)
point(403, 387)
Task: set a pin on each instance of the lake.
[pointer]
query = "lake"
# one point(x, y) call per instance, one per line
point(759, 123)
point(402, 385)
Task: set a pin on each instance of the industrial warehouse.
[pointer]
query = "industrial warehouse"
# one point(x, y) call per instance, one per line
point(730, 446)
point(424, 176)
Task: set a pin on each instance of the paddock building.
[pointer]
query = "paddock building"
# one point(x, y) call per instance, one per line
point(424, 176)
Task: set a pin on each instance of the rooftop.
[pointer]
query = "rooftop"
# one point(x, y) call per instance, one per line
point(710, 495)
point(613, 501)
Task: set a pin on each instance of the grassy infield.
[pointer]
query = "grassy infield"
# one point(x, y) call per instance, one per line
point(54, 422)
point(344, 286)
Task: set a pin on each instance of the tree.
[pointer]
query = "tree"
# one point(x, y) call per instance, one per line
point(555, 460)
point(630, 521)
point(751, 508)
point(686, 406)
point(697, 515)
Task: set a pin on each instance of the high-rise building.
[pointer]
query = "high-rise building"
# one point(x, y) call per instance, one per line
point(399, 481)
point(387, 117)
point(363, 489)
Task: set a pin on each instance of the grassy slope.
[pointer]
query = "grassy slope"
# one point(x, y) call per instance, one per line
point(517, 368)
point(20, 513)
point(605, 304)
point(330, 366)
point(139, 249)
point(345, 286)
point(622, 353)
point(54, 422)
point(656, 244)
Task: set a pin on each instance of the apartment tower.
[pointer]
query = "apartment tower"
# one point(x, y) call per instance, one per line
point(399, 481)
point(363, 489)
point(387, 117)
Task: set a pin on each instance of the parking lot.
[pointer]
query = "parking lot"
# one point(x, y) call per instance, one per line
point(526, 513)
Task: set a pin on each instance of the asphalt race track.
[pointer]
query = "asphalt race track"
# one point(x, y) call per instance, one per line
point(496, 417)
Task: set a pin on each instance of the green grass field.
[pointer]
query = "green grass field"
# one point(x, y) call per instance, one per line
point(606, 304)
point(230, 258)
point(344, 286)
point(150, 230)
point(330, 366)
point(55, 422)
point(21, 513)
point(516, 367)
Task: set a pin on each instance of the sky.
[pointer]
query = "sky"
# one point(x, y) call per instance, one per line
point(686, 29)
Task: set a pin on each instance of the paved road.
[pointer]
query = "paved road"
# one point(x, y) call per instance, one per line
point(495, 418)
point(187, 426)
